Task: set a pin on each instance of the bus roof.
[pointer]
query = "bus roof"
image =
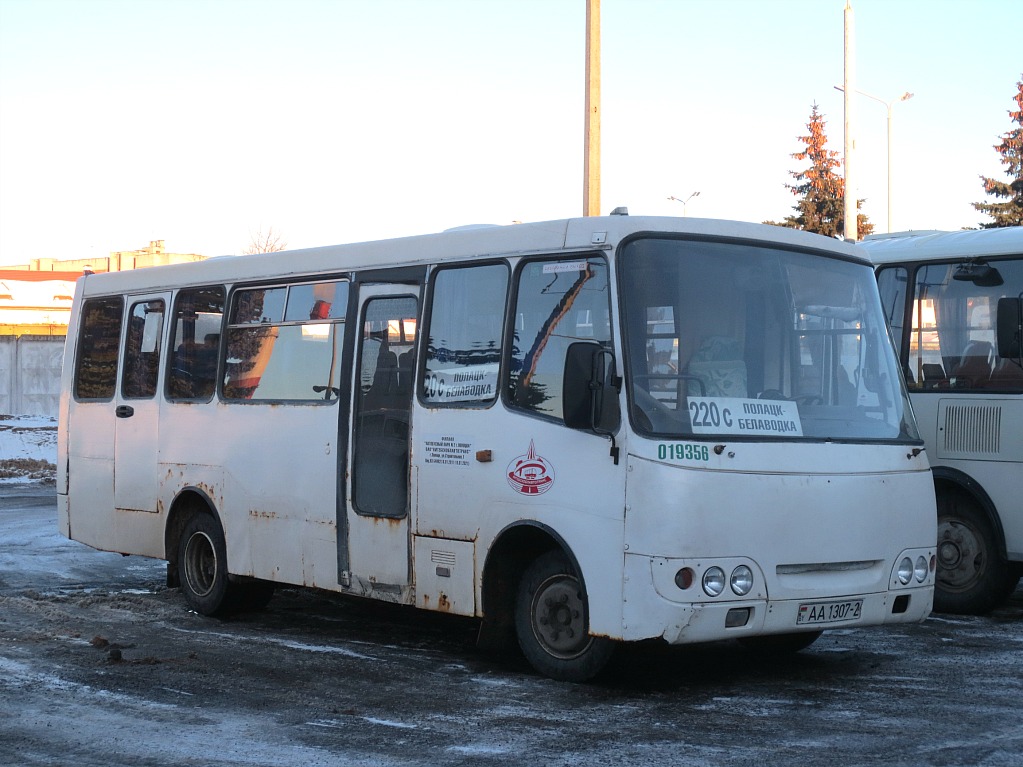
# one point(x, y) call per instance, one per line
point(596, 232)
point(932, 246)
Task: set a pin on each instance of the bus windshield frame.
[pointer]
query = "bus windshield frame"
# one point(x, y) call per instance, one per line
point(746, 340)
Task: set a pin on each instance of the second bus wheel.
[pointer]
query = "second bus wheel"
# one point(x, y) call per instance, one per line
point(973, 577)
point(552, 625)
point(202, 566)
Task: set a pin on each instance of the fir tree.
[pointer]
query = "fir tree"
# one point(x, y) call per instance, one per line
point(1010, 212)
point(821, 191)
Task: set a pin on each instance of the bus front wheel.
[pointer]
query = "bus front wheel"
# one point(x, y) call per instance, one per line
point(552, 625)
point(972, 576)
point(202, 566)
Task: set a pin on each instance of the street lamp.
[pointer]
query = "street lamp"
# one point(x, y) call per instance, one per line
point(888, 104)
point(687, 199)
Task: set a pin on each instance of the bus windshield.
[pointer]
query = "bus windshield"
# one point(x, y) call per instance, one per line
point(743, 340)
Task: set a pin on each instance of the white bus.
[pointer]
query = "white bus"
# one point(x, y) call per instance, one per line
point(953, 302)
point(582, 432)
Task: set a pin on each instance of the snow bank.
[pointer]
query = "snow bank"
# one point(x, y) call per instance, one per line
point(28, 448)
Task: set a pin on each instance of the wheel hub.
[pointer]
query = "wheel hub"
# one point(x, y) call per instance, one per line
point(200, 564)
point(558, 618)
point(960, 555)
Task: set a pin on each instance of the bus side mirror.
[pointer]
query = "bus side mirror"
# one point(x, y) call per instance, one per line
point(1009, 328)
point(590, 389)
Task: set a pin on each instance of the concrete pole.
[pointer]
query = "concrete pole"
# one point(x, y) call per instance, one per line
point(591, 149)
point(850, 143)
point(890, 166)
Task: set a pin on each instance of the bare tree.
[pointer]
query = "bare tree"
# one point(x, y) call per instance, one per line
point(271, 242)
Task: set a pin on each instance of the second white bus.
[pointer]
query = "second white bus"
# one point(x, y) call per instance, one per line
point(953, 300)
point(583, 432)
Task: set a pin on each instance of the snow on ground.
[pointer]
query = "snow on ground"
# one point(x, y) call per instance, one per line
point(28, 448)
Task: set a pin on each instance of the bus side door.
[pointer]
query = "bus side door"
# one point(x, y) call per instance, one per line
point(137, 404)
point(374, 539)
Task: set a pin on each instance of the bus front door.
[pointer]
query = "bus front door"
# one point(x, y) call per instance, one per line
point(137, 406)
point(375, 548)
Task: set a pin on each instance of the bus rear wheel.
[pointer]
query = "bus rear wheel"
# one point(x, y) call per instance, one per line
point(552, 625)
point(972, 576)
point(202, 566)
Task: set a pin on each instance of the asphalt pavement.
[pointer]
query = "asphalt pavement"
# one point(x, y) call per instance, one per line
point(101, 664)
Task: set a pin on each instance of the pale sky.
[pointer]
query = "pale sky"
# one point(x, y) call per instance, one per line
point(200, 122)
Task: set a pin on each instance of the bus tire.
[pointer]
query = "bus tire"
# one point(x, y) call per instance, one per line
point(202, 566)
point(972, 575)
point(780, 644)
point(551, 622)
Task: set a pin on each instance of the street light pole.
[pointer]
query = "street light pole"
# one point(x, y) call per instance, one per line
point(888, 105)
point(687, 199)
point(591, 131)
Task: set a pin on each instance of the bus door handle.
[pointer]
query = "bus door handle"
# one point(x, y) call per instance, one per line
point(124, 411)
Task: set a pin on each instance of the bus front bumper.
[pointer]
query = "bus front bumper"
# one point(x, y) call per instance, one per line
point(647, 614)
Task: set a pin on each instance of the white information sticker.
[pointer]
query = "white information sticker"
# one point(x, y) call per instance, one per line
point(447, 450)
point(735, 415)
point(564, 266)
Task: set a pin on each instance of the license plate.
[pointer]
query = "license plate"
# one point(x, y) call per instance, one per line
point(828, 612)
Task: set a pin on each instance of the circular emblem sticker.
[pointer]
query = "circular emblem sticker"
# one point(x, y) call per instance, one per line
point(530, 474)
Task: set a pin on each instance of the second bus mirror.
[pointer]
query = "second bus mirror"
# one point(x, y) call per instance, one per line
point(1010, 328)
point(590, 389)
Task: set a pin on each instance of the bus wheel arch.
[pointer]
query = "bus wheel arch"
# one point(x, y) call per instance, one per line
point(533, 590)
point(188, 503)
point(973, 574)
point(509, 556)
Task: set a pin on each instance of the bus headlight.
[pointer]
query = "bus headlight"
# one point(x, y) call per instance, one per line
point(714, 581)
point(905, 572)
point(741, 580)
point(920, 571)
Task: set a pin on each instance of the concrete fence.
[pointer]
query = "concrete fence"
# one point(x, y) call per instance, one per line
point(30, 374)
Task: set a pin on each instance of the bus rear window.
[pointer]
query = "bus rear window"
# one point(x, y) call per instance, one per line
point(98, 339)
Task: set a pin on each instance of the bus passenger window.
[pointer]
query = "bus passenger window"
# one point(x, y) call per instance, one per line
point(142, 350)
point(98, 339)
point(558, 303)
point(284, 343)
point(195, 344)
point(464, 344)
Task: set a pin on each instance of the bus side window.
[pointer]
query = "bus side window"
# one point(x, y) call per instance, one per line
point(558, 302)
point(283, 343)
point(466, 317)
point(893, 283)
point(142, 350)
point(98, 341)
point(195, 344)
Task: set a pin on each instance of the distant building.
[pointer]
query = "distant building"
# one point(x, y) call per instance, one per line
point(35, 298)
point(35, 303)
point(119, 261)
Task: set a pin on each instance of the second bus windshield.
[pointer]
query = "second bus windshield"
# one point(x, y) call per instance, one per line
point(749, 341)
